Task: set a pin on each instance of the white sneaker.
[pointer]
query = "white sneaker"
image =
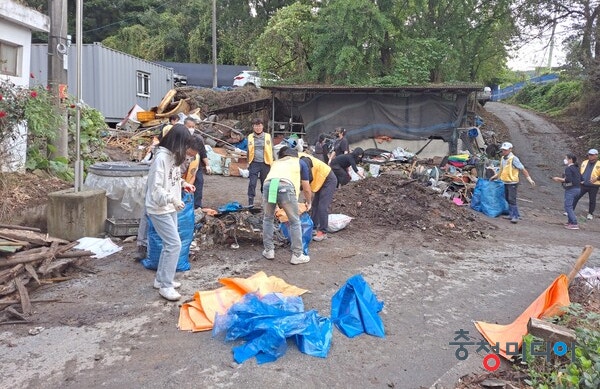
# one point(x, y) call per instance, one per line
point(298, 259)
point(590, 216)
point(269, 254)
point(169, 294)
point(157, 284)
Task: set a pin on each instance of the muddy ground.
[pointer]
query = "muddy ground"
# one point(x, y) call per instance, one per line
point(436, 266)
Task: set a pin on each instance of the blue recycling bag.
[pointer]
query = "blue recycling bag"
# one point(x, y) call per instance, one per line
point(488, 197)
point(232, 206)
point(266, 323)
point(355, 308)
point(185, 227)
point(307, 226)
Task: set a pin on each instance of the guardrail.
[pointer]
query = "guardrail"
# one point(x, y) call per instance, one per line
point(504, 93)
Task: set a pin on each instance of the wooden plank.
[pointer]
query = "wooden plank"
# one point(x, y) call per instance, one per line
point(550, 332)
point(24, 295)
point(16, 227)
point(10, 249)
point(9, 274)
point(32, 273)
point(30, 236)
point(585, 254)
point(16, 314)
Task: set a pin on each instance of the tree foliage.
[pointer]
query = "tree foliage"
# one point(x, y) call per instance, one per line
point(389, 42)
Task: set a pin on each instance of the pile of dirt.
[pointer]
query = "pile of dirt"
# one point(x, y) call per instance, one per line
point(209, 100)
point(389, 200)
point(22, 193)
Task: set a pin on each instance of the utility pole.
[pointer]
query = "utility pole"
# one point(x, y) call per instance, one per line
point(551, 49)
point(214, 42)
point(57, 71)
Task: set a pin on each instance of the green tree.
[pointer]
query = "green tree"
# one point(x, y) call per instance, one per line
point(348, 39)
point(285, 44)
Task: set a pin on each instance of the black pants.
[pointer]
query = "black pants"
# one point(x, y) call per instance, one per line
point(321, 202)
point(257, 170)
point(199, 184)
point(593, 192)
point(342, 175)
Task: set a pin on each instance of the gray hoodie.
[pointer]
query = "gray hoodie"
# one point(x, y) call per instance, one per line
point(164, 183)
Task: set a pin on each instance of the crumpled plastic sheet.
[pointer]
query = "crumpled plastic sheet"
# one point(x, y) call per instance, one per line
point(265, 324)
point(130, 190)
point(355, 308)
point(591, 275)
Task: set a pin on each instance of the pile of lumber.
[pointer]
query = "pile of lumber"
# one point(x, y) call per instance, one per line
point(28, 259)
point(168, 106)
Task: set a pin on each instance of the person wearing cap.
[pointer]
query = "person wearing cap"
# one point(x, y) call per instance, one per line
point(510, 166)
point(340, 145)
point(323, 183)
point(341, 163)
point(201, 161)
point(287, 178)
point(590, 181)
point(260, 157)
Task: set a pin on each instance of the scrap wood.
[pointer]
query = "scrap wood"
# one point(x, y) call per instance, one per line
point(24, 296)
point(16, 314)
point(32, 273)
point(10, 273)
point(16, 227)
point(33, 237)
point(7, 302)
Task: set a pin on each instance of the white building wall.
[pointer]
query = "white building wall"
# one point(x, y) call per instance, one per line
point(16, 24)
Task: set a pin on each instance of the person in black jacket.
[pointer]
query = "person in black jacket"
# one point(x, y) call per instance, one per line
point(571, 181)
point(341, 163)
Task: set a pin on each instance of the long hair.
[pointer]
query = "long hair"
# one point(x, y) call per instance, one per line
point(358, 153)
point(177, 141)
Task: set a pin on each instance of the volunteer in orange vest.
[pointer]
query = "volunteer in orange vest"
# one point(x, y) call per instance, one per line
point(260, 157)
point(510, 165)
point(288, 177)
point(323, 183)
point(590, 181)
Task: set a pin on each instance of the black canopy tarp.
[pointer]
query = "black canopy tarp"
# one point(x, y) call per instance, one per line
point(410, 115)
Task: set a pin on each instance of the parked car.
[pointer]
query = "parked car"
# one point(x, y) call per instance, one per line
point(256, 78)
point(484, 96)
point(179, 79)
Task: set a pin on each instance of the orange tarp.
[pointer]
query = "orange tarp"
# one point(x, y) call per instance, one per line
point(199, 314)
point(547, 304)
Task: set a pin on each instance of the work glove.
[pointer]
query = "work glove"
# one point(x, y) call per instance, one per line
point(208, 170)
point(179, 205)
point(531, 181)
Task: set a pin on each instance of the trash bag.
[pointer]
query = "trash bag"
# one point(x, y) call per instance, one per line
point(488, 197)
point(185, 227)
point(307, 226)
point(232, 206)
point(355, 308)
point(266, 323)
point(337, 221)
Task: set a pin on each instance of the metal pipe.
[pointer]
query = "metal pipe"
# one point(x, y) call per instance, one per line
point(79, 32)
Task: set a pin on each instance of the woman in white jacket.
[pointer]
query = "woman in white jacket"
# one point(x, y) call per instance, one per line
point(163, 201)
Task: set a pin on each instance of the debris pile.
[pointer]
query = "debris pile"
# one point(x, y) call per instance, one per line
point(396, 201)
point(36, 259)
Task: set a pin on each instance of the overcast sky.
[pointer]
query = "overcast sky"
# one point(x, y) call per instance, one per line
point(535, 53)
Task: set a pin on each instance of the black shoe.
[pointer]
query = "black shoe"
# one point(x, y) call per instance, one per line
point(142, 253)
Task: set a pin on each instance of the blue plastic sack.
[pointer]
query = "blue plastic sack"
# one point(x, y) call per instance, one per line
point(307, 226)
point(266, 323)
point(185, 227)
point(232, 206)
point(355, 308)
point(488, 197)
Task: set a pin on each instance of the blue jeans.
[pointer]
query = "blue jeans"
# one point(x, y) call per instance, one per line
point(570, 195)
point(288, 201)
point(166, 227)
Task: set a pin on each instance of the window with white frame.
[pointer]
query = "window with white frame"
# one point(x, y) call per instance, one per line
point(143, 83)
point(10, 59)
